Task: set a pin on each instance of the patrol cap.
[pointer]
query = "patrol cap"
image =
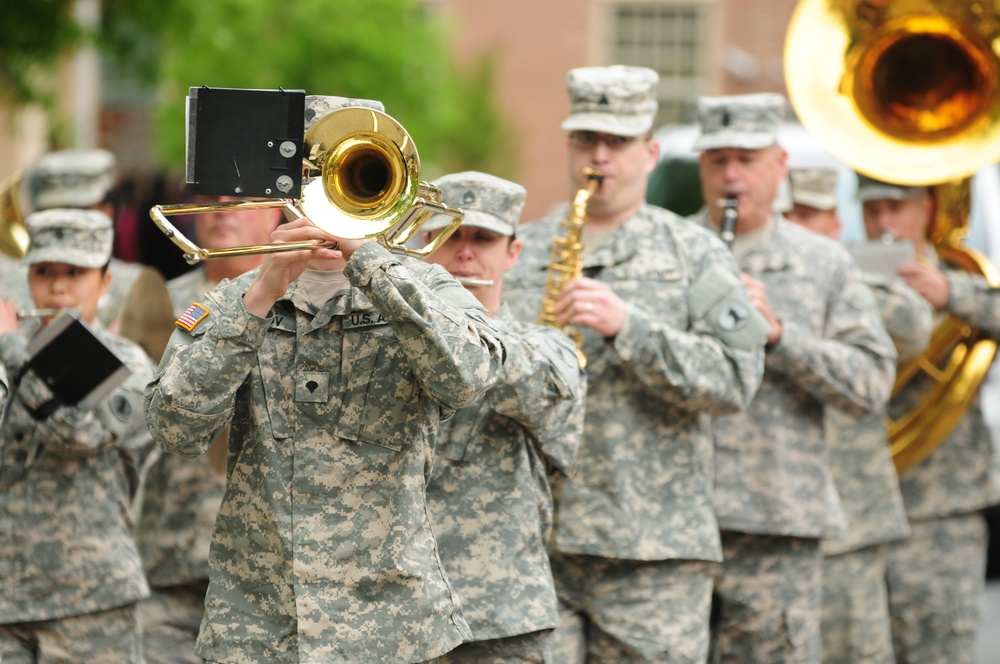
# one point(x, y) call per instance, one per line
point(814, 187)
point(870, 189)
point(69, 235)
point(618, 99)
point(488, 201)
point(747, 122)
point(72, 178)
point(319, 105)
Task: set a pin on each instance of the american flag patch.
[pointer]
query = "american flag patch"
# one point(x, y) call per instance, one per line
point(194, 315)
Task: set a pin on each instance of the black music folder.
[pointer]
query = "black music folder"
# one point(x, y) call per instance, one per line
point(76, 365)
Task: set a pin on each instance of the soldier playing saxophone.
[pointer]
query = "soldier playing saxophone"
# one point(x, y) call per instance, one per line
point(663, 316)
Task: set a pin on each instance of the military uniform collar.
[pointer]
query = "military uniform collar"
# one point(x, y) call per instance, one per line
point(622, 243)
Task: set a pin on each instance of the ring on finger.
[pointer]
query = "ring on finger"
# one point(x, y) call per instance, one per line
point(588, 307)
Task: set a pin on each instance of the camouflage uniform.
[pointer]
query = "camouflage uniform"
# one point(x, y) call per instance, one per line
point(489, 495)
point(181, 498)
point(937, 576)
point(775, 495)
point(137, 305)
point(322, 549)
point(72, 575)
point(636, 516)
point(855, 620)
point(14, 282)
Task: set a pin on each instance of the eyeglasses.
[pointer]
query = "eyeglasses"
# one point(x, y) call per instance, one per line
point(588, 140)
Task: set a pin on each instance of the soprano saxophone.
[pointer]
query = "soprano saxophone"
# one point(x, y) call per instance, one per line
point(566, 264)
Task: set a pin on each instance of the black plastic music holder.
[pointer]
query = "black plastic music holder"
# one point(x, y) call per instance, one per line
point(245, 143)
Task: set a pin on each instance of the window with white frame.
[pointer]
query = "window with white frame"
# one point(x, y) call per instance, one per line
point(669, 38)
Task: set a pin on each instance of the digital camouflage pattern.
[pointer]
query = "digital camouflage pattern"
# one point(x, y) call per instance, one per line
point(767, 600)
point(772, 462)
point(855, 617)
point(860, 459)
point(109, 636)
point(963, 474)
point(322, 549)
point(488, 202)
point(66, 483)
point(618, 99)
point(642, 489)
point(65, 235)
point(935, 580)
point(78, 178)
point(316, 106)
point(181, 498)
point(489, 495)
point(637, 612)
point(937, 575)
point(14, 282)
point(746, 122)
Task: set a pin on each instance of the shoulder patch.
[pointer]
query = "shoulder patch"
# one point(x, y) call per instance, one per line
point(121, 407)
point(196, 313)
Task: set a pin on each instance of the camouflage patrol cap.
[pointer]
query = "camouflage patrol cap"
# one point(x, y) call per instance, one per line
point(618, 99)
point(319, 105)
point(870, 189)
point(814, 187)
point(72, 178)
point(488, 201)
point(747, 122)
point(69, 235)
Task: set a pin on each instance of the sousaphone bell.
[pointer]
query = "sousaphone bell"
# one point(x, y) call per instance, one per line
point(907, 92)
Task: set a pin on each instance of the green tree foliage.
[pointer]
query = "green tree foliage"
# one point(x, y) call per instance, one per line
point(389, 50)
point(33, 35)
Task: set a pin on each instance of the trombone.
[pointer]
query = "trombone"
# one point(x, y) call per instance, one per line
point(362, 174)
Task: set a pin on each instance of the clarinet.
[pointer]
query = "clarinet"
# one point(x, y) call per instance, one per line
point(730, 205)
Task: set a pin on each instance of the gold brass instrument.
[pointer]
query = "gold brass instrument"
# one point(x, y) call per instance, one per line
point(566, 264)
point(909, 93)
point(958, 357)
point(361, 175)
point(910, 97)
point(13, 232)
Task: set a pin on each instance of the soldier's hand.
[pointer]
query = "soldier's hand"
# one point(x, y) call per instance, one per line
point(758, 295)
point(590, 303)
point(927, 280)
point(280, 269)
point(8, 316)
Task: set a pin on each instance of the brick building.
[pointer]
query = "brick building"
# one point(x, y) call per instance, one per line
point(698, 47)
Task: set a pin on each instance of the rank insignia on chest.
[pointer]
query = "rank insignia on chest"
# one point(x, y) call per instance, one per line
point(194, 315)
point(363, 319)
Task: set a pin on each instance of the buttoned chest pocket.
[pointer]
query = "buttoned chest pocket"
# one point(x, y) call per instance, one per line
point(381, 394)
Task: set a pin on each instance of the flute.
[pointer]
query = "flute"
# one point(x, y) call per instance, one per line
point(23, 314)
point(471, 281)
